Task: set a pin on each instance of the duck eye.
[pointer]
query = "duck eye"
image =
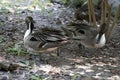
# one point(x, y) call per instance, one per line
point(81, 32)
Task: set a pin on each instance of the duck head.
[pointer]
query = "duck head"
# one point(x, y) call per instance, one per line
point(30, 23)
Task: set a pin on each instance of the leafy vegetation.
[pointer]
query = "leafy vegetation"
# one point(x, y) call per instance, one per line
point(74, 77)
point(16, 50)
point(37, 77)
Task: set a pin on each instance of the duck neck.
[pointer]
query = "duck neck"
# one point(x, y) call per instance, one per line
point(29, 30)
point(30, 27)
point(100, 39)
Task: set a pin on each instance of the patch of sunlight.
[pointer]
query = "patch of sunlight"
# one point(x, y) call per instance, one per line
point(100, 64)
point(17, 5)
point(45, 68)
point(2, 59)
point(5, 1)
point(115, 77)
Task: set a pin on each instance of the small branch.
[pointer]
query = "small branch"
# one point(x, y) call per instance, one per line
point(114, 23)
point(93, 13)
point(89, 12)
point(108, 21)
point(109, 14)
point(103, 15)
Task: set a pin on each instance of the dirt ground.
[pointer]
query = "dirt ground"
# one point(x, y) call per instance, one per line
point(73, 63)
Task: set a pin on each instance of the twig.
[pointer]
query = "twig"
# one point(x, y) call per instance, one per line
point(103, 15)
point(114, 23)
point(109, 14)
point(108, 21)
point(89, 11)
point(93, 13)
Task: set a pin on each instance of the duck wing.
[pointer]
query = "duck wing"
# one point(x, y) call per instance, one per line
point(45, 38)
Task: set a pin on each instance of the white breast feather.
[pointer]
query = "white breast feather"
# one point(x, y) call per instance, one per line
point(102, 41)
point(26, 34)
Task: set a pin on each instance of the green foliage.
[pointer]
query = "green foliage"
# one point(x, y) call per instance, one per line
point(74, 77)
point(16, 50)
point(37, 77)
point(36, 3)
point(64, 1)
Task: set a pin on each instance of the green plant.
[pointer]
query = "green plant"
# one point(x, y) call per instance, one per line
point(35, 77)
point(64, 1)
point(38, 77)
point(17, 50)
point(74, 77)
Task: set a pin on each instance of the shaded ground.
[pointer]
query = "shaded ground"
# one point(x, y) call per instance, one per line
point(72, 64)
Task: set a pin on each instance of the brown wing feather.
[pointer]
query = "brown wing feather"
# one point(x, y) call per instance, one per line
point(51, 31)
point(48, 35)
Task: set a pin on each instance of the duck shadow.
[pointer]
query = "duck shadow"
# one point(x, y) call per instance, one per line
point(96, 63)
